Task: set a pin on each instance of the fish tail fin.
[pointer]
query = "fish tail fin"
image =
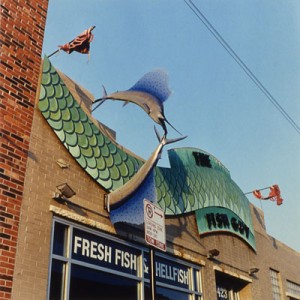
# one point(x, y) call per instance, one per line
point(175, 140)
point(104, 91)
point(166, 141)
point(100, 100)
point(173, 126)
point(125, 103)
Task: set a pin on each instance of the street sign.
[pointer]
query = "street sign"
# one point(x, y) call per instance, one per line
point(155, 232)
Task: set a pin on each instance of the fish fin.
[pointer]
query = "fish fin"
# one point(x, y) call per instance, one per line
point(125, 103)
point(172, 126)
point(167, 141)
point(104, 91)
point(154, 83)
point(100, 100)
point(104, 95)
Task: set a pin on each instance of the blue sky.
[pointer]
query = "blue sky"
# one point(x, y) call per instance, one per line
point(213, 101)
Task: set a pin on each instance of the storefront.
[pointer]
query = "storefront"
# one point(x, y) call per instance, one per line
point(76, 248)
point(88, 264)
point(229, 287)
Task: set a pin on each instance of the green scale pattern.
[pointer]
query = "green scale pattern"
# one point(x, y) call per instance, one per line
point(186, 187)
point(183, 188)
point(96, 154)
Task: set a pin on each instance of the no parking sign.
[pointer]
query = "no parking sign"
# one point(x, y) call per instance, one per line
point(155, 232)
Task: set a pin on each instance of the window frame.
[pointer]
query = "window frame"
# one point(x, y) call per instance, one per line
point(276, 287)
point(194, 270)
point(292, 289)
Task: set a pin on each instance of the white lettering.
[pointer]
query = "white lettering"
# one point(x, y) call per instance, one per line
point(125, 259)
point(85, 247)
point(92, 249)
point(104, 253)
point(133, 262)
point(183, 277)
point(101, 252)
point(172, 273)
point(118, 256)
point(93, 253)
point(175, 273)
point(77, 243)
point(108, 254)
point(146, 268)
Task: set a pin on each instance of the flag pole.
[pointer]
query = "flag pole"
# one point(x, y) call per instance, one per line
point(53, 53)
point(93, 27)
point(257, 190)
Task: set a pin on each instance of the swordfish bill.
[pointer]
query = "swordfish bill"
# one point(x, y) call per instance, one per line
point(123, 193)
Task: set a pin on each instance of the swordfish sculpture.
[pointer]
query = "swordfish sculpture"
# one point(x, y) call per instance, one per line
point(121, 195)
point(149, 93)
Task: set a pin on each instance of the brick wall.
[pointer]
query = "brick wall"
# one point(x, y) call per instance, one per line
point(43, 174)
point(22, 32)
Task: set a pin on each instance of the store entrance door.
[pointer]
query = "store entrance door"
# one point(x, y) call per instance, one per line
point(229, 287)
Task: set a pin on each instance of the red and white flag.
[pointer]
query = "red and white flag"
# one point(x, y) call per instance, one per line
point(81, 43)
point(274, 194)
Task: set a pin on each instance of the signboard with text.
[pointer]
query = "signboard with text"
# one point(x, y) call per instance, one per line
point(219, 219)
point(99, 251)
point(155, 232)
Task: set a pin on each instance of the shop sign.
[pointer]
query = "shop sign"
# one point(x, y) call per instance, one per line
point(154, 219)
point(168, 271)
point(102, 252)
point(214, 219)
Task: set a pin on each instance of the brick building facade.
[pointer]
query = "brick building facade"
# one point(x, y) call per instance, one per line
point(68, 248)
point(22, 33)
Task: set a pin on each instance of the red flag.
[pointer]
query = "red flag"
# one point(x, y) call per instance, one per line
point(80, 44)
point(274, 194)
point(257, 194)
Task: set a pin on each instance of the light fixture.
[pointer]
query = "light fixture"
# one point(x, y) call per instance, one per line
point(213, 253)
point(63, 191)
point(252, 271)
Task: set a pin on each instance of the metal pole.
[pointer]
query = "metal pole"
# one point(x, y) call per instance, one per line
point(257, 190)
point(53, 53)
point(152, 273)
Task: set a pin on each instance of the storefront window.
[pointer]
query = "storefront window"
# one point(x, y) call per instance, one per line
point(166, 294)
point(89, 265)
point(57, 280)
point(60, 239)
point(87, 283)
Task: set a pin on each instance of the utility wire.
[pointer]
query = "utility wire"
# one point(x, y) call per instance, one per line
point(238, 60)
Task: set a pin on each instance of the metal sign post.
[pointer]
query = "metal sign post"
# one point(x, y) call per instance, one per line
point(152, 273)
point(155, 236)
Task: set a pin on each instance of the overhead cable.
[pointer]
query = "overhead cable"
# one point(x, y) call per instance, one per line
point(239, 61)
